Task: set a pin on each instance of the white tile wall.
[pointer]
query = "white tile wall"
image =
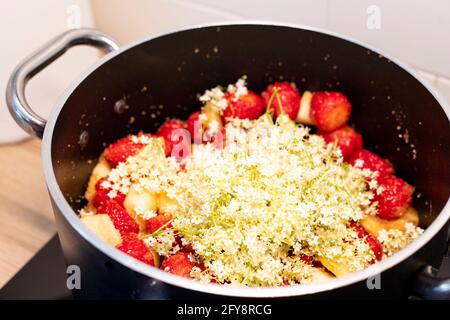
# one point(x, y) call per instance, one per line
point(430, 77)
point(414, 31)
point(136, 19)
point(307, 12)
point(443, 87)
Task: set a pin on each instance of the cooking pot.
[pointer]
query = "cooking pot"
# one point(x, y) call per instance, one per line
point(138, 86)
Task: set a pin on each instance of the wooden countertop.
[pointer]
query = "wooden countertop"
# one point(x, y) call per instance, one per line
point(26, 217)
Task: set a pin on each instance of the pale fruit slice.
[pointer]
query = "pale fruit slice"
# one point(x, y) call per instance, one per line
point(374, 225)
point(304, 112)
point(101, 170)
point(166, 204)
point(319, 275)
point(213, 119)
point(141, 200)
point(156, 258)
point(103, 227)
point(336, 268)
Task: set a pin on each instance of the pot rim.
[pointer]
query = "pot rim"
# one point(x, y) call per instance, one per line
point(237, 291)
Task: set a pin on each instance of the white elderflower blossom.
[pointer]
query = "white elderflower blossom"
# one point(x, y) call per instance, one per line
point(217, 98)
point(394, 240)
point(250, 210)
point(238, 89)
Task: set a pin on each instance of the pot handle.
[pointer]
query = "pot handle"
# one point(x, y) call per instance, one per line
point(429, 285)
point(432, 283)
point(17, 103)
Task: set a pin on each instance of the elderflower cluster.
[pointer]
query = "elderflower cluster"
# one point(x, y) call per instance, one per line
point(238, 89)
point(273, 189)
point(394, 240)
point(144, 213)
point(163, 242)
point(216, 95)
point(252, 209)
point(149, 170)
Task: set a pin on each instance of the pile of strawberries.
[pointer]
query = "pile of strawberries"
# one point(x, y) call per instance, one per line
point(123, 222)
point(328, 111)
point(180, 263)
point(119, 151)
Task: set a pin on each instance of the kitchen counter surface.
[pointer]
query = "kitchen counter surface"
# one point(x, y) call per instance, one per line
point(26, 217)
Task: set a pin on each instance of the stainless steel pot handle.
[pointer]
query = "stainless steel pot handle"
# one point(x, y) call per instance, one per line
point(432, 283)
point(429, 285)
point(17, 103)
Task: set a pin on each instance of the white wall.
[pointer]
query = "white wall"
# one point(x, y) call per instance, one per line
point(415, 31)
point(25, 26)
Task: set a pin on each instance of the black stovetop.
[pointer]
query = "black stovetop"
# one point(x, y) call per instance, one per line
point(44, 276)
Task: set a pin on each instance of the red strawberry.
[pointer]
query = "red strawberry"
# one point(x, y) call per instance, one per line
point(330, 110)
point(101, 194)
point(288, 96)
point(306, 259)
point(358, 228)
point(119, 216)
point(248, 106)
point(375, 245)
point(155, 223)
point(136, 248)
point(187, 249)
point(372, 241)
point(195, 127)
point(371, 161)
point(179, 264)
point(120, 150)
point(395, 197)
point(175, 135)
point(346, 138)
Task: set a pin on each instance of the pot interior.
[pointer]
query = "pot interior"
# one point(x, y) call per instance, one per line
point(160, 78)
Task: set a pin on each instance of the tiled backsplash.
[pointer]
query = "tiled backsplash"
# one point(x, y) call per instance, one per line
point(414, 31)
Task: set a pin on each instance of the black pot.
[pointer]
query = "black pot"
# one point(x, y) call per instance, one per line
point(137, 87)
